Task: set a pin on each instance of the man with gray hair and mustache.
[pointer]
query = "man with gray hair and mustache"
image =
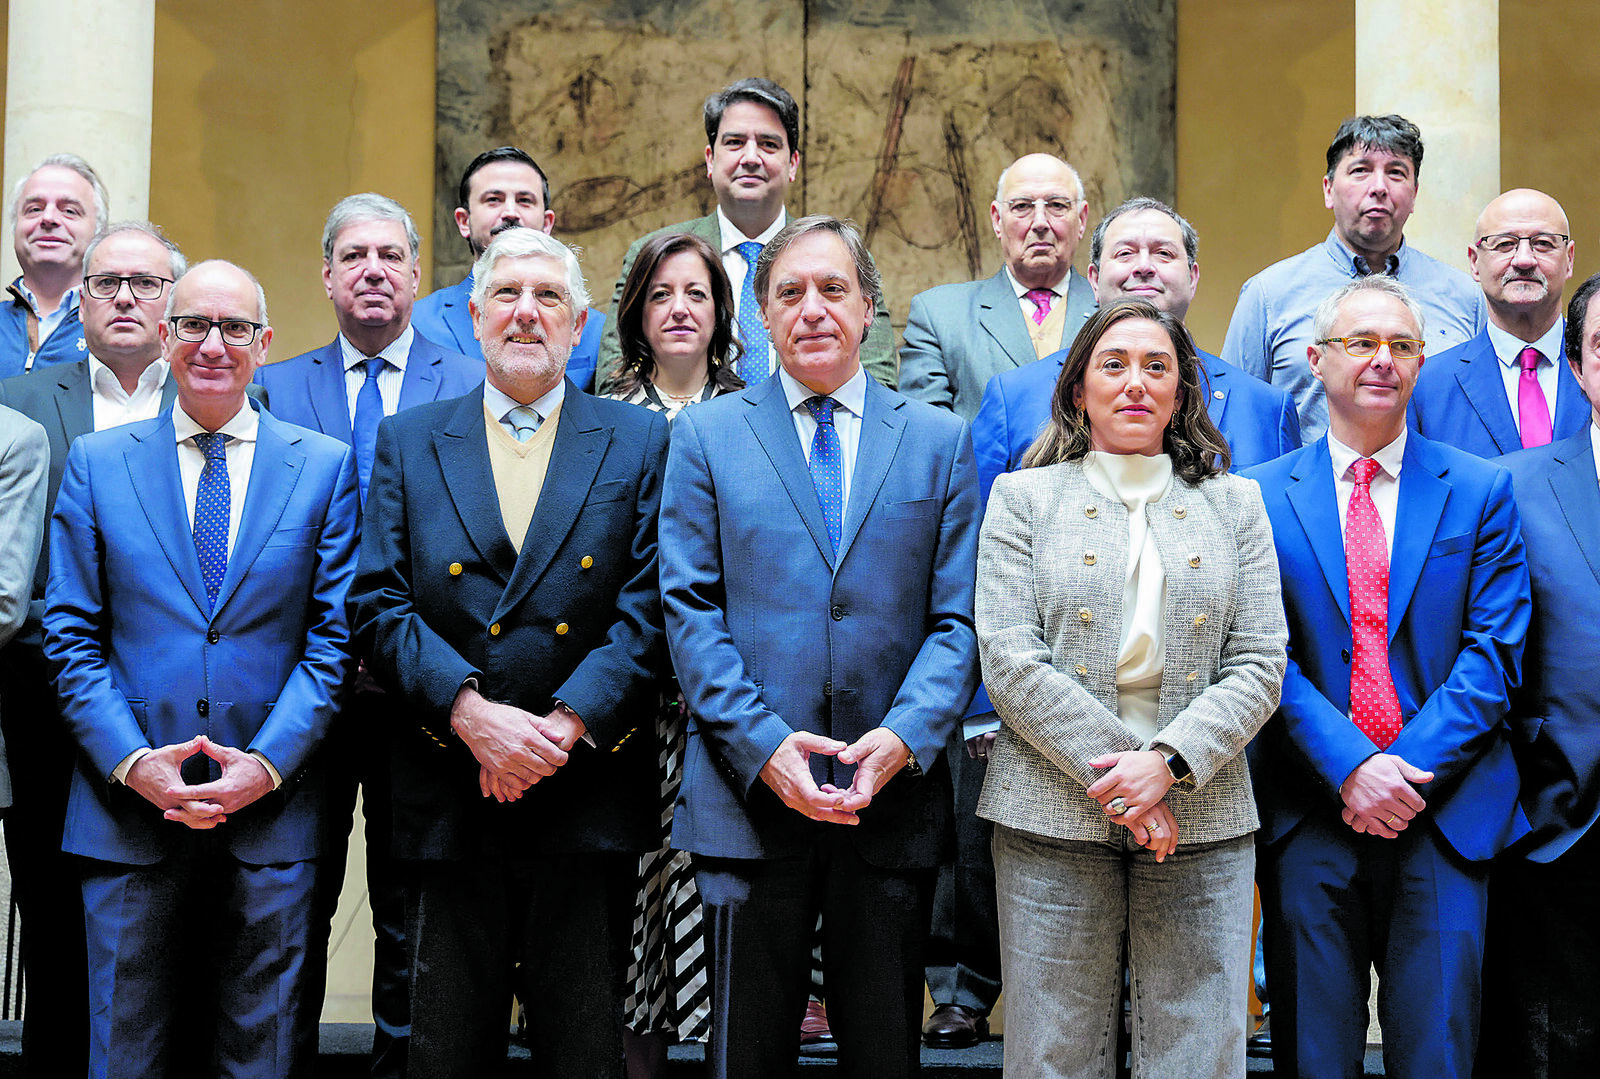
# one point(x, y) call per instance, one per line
point(1509, 387)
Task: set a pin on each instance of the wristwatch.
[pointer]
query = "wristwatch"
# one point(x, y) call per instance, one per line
point(1178, 768)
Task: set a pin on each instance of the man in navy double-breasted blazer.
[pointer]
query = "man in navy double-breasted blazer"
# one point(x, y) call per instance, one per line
point(819, 541)
point(1474, 396)
point(196, 611)
point(1541, 1007)
point(1385, 781)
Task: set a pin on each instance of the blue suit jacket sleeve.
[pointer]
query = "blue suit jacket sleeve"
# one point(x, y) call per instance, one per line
point(991, 437)
point(1288, 426)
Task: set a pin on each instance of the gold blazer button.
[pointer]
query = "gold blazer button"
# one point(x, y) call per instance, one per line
point(494, 630)
point(1088, 558)
point(1179, 512)
point(1083, 672)
point(1192, 675)
point(1199, 619)
point(586, 562)
point(1194, 560)
point(561, 629)
point(1091, 511)
point(455, 569)
point(1085, 614)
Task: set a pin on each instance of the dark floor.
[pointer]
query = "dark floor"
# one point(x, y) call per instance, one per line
point(344, 1048)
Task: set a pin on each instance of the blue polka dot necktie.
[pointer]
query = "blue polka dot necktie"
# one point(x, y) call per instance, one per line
point(211, 508)
point(827, 469)
point(369, 411)
point(753, 361)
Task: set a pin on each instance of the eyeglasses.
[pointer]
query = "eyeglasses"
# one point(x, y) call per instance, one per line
point(105, 286)
point(508, 294)
point(1540, 243)
point(1055, 209)
point(1401, 348)
point(235, 331)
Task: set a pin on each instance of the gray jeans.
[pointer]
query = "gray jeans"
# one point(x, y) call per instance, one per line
point(1069, 912)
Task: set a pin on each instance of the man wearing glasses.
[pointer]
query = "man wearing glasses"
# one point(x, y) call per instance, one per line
point(1371, 187)
point(1385, 781)
point(960, 335)
point(128, 272)
point(1509, 387)
point(196, 614)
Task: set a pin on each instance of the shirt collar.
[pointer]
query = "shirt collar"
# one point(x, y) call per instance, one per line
point(731, 236)
point(1507, 347)
point(152, 377)
point(1388, 458)
point(242, 426)
point(1346, 258)
point(499, 402)
point(69, 299)
point(395, 352)
point(1594, 446)
point(852, 396)
point(1059, 288)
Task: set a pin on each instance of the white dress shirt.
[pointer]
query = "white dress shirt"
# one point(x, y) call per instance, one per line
point(1385, 486)
point(1027, 306)
point(1508, 347)
point(113, 405)
point(734, 263)
point(240, 452)
point(389, 379)
point(852, 398)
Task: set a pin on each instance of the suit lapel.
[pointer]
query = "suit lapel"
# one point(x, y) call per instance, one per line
point(1080, 305)
point(1480, 381)
point(882, 427)
point(575, 457)
point(1423, 493)
point(1315, 503)
point(328, 398)
point(1001, 319)
point(458, 315)
point(274, 470)
point(75, 402)
point(774, 429)
point(461, 447)
point(1214, 384)
point(152, 463)
point(1573, 482)
point(1572, 408)
point(420, 384)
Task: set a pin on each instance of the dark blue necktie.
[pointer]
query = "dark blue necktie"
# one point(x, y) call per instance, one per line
point(753, 361)
point(827, 469)
point(211, 508)
point(369, 411)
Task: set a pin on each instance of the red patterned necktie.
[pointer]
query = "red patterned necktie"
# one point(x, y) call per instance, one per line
point(1533, 411)
point(1374, 707)
point(1042, 299)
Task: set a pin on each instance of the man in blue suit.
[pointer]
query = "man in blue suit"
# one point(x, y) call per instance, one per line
point(819, 542)
point(375, 366)
point(196, 611)
point(501, 189)
point(1541, 1008)
point(1494, 393)
point(1386, 780)
point(508, 600)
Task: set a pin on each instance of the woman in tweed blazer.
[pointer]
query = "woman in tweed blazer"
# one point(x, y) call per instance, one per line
point(1132, 636)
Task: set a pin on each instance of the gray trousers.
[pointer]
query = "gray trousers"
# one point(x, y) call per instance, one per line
point(1070, 911)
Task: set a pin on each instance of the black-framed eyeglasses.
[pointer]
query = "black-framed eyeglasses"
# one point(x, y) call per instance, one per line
point(1540, 243)
point(1401, 348)
point(1055, 208)
point(235, 331)
point(105, 286)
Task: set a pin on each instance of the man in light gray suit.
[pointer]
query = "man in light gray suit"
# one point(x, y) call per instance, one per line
point(24, 463)
point(961, 335)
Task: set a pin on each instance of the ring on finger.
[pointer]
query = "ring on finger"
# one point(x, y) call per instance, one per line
point(1153, 829)
point(1118, 806)
point(1390, 820)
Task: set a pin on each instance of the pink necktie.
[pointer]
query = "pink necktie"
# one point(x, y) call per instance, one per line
point(1374, 707)
point(1533, 411)
point(1042, 299)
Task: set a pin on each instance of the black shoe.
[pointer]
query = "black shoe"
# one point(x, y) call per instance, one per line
point(954, 1026)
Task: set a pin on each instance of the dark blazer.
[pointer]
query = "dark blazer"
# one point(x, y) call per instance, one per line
point(961, 335)
point(1557, 740)
point(1461, 400)
point(1458, 615)
point(128, 622)
point(1258, 420)
point(443, 317)
point(442, 597)
point(309, 389)
point(771, 634)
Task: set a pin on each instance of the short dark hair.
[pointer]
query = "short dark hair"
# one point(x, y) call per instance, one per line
point(1393, 133)
point(1197, 448)
point(639, 362)
point(1191, 238)
point(1577, 312)
point(761, 92)
point(490, 157)
point(867, 276)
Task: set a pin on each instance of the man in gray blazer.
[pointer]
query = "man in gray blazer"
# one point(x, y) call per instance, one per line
point(961, 335)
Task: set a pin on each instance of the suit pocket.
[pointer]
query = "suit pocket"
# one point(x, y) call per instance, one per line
point(613, 491)
point(916, 507)
point(303, 536)
point(1451, 545)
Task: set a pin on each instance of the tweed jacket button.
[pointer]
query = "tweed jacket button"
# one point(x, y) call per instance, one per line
point(561, 629)
point(1179, 512)
point(494, 630)
point(586, 562)
point(1088, 558)
point(455, 569)
point(1083, 672)
point(1085, 615)
point(1091, 511)
point(1194, 561)
point(1192, 675)
point(1199, 619)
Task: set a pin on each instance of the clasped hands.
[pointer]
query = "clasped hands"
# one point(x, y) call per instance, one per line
point(1136, 783)
point(1379, 796)
point(156, 777)
point(878, 755)
point(514, 748)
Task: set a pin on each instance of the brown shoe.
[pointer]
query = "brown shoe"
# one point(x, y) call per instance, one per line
point(816, 1037)
point(954, 1026)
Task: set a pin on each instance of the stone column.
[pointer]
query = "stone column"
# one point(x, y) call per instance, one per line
point(79, 78)
point(1401, 51)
